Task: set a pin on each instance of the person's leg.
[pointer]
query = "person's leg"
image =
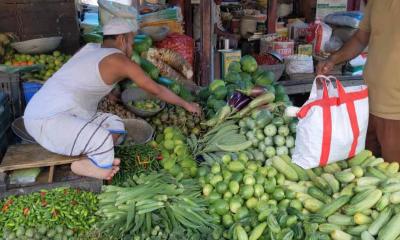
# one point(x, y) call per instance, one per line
point(389, 138)
point(372, 142)
point(69, 135)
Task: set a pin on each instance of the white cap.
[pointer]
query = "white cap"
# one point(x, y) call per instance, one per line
point(120, 26)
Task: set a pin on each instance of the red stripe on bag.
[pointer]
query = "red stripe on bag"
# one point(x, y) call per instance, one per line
point(333, 101)
point(327, 129)
point(351, 110)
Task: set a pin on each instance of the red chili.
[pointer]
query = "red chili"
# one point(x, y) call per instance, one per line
point(26, 211)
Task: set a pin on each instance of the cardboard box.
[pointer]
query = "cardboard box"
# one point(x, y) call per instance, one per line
point(325, 7)
point(305, 49)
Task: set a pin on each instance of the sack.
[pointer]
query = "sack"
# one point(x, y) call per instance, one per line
point(332, 124)
point(345, 19)
point(322, 35)
point(181, 44)
point(299, 64)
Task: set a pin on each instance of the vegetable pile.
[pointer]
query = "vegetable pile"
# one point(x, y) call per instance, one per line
point(245, 77)
point(153, 205)
point(147, 105)
point(108, 106)
point(51, 62)
point(135, 159)
point(178, 117)
point(60, 213)
point(176, 158)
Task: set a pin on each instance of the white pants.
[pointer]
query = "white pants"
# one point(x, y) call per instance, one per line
point(71, 135)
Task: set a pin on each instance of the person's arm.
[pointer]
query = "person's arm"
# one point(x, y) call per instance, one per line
point(134, 72)
point(353, 47)
point(225, 34)
point(350, 50)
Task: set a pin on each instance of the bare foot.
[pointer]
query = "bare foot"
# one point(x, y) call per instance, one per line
point(88, 169)
point(116, 162)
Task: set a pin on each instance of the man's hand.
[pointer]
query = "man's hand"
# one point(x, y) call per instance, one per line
point(193, 108)
point(325, 67)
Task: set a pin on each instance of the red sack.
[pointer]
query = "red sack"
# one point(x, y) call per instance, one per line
point(181, 44)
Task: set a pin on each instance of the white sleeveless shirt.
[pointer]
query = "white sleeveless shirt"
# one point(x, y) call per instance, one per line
point(77, 87)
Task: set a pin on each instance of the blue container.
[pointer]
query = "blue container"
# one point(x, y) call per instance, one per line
point(30, 88)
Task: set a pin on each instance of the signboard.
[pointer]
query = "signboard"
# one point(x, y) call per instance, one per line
point(325, 7)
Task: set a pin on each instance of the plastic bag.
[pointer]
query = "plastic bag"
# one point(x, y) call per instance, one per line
point(333, 45)
point(360, 60)
point(332, 124)
point(323, 34)
point(24, 176)
point(345, 19)
point(299, 64)
point(180, 43)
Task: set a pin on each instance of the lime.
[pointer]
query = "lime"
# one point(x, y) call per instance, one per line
point(169, 163)
point(215, 168)
point(193, 171)
point(278, 194)
point(227, 220)
point(258, 190)
point(235, 204)
point(228, 195)
point(168, 130)
point(263, 171)
point(178, 142)
point(265, 197)
point(214, 196)
point(284, 204)
point(221, 207)
point(251, 203)
point(243, 157)
point(260, 179)
point(247, 191)
point(221, 187)
point(169, 136)
point(234, 187)
point(261, 206)
point(252, 166)
point(56, 53)
point(242, 212)
point(169, 144)
point(237, 176)
point(216, 179)
point(207, 189)
point(249, 180)
point(202, 171)
point(226, 159)
point(227, 175)
point(216, 219)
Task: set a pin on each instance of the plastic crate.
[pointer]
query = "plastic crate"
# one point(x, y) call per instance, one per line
point(30, 88)
point(10, 85)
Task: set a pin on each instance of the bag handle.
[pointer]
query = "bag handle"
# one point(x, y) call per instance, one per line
point(342, 94)
point(326, 83)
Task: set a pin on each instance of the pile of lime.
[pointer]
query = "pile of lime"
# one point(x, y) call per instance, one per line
point(147, 105)
point(52, 63)
point(176, 157)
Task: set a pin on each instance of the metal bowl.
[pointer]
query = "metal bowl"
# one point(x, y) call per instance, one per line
point(139, 131)
point(136, 94)
point(39, 45)
point(157, 33)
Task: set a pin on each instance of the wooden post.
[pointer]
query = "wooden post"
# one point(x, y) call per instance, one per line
point(272, 15)
point(51, 174)
point(206, 45)
point(188, 13)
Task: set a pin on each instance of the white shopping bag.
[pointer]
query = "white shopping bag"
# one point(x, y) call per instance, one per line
point(332, 124)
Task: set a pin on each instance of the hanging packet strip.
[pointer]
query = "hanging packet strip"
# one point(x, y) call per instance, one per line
point(332, 124)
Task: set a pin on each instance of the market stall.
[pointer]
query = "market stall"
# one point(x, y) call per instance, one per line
point(251, 166)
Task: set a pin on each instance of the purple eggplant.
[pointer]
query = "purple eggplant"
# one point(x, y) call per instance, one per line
point(235, 98)
point(242, 103)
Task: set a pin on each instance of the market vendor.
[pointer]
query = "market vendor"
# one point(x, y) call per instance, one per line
point(379, 31)
point(62, 116)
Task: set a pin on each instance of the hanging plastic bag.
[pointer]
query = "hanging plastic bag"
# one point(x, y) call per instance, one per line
point(332, 124)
